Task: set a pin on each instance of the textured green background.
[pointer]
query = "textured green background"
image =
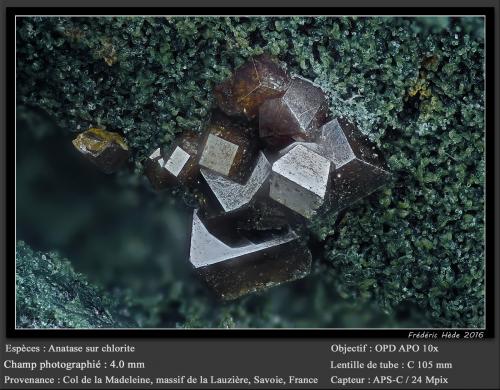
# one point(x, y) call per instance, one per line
point(408, 255)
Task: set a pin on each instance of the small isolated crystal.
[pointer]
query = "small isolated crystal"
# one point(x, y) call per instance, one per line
point(359, 169)
point(107, 150)
point(179, 166)
point(257, 80)
point(232, 195)
point(229, 149)
point(235, 265)
point(298, 114)
point(299, 180)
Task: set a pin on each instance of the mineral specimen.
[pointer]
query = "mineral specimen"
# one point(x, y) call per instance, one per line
point(259, 79)
point(298, 114)
point(106, 149)
point(299, 180)
point(359, 66)
point(229, 148)
point(241, 266)
point(180, 166)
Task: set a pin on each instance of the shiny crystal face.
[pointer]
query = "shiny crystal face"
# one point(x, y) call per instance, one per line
point(177, 161)
point(232, 195)
point(267, 161)
point(218, 154)
point(299, 180)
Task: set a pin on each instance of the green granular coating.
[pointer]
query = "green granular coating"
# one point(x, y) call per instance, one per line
point(415, 86)
point(50, 294)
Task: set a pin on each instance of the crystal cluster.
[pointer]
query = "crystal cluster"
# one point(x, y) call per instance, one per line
point(268, 159)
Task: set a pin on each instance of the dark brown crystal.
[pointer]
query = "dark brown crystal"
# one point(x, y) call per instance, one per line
point(257, 80)
point(298, 114)
point(359, 167)
point(229, 148)
point(234, 265)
